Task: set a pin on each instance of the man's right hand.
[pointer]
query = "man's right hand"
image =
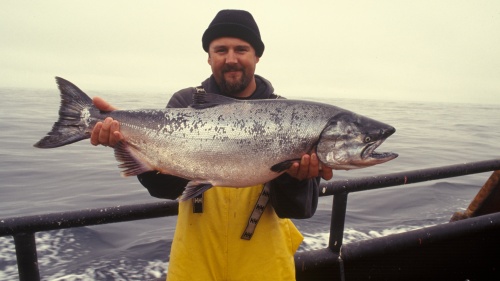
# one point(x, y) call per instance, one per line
point(105, 133)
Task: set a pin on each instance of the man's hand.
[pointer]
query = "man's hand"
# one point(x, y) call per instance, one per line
point(105, 133)
point(309, 167)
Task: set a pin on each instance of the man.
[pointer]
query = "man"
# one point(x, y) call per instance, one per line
point(232, 233)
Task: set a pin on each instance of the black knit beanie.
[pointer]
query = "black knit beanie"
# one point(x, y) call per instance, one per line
point(234, 23)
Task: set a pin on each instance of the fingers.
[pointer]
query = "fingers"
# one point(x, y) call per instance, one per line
point(118, 136)
point(327, 173)
point(316, 169)
point(114, 127)
point(305, 169)
point(313, 166)
point(103, 105)
point(293, 171)
point(94, 137)
point(309, 167)
point(106, 133)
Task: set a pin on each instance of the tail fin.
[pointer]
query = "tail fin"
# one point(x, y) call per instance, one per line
point(74, 117)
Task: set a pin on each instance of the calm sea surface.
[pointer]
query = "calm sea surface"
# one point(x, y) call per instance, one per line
point(80, 176)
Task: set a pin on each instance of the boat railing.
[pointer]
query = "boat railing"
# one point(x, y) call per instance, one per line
point(23, 228)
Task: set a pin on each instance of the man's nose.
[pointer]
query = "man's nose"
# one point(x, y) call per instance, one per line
point(231, 58)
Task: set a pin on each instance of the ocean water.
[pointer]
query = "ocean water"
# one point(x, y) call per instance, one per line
point(80, 176)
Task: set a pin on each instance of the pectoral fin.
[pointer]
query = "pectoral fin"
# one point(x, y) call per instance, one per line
point(130, 159)
point(283, 166)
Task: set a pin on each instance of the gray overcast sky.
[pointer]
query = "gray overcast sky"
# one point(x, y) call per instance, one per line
point(446, 50)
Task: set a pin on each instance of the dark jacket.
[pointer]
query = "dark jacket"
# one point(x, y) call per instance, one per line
point(290, 197)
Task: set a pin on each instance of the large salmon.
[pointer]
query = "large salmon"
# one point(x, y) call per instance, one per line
point(220, 141)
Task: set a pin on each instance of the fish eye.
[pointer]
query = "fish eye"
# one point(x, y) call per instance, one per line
point(368, 139)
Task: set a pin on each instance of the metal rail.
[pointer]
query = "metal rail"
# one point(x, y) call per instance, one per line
point(24, 228)
point(340, 189)
point(96, 216)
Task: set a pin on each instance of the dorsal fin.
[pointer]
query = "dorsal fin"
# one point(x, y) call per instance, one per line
point(202, 99)
point(199, 96)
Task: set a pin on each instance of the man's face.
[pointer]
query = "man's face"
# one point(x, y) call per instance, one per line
point(233, 63)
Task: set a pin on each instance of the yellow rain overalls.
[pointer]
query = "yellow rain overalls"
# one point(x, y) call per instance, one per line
point(208, 246)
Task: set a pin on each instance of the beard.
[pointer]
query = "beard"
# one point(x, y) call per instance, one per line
point(234, 87)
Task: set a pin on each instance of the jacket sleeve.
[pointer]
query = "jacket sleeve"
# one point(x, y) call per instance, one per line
point(162, 185)
point(295, 199)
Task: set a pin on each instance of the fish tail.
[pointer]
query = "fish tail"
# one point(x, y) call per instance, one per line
point(74, 117)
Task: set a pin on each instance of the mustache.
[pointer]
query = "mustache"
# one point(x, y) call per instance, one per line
point(228, 68)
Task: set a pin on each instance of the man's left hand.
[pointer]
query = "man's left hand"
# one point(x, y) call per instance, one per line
point(309, 167)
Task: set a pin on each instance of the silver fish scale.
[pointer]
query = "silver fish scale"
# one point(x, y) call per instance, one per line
point(239, 141)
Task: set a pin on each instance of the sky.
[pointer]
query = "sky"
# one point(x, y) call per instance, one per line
point(447, 50)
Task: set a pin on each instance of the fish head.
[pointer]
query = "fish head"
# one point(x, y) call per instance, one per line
point(349, 141)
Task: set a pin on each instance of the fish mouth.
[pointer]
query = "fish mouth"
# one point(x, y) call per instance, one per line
point(370, 155)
